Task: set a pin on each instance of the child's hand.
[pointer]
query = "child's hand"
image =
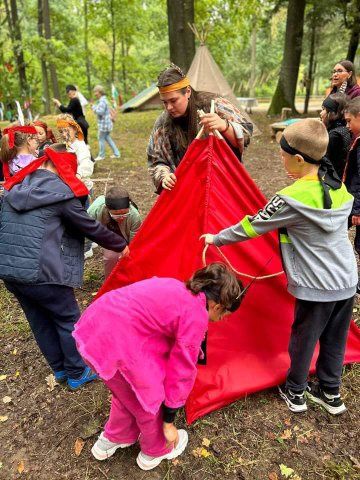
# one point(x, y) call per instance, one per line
point(125, 252)
point(208, 238)
point(355, 219)
point(171, 434)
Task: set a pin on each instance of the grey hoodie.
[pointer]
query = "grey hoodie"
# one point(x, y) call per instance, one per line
point(317, 254)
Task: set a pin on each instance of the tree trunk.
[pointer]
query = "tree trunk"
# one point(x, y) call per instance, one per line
point(123, 66)
point(355, 33)
point(52, 67)
point(284, 95)
point(15, 35)
point(44, 75)
point(253, 62)
point(181, 37)
point(86, 48)
point(113, 43)
point(310, 73)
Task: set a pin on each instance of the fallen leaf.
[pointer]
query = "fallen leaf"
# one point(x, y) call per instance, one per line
point(3, 418)
point(17, 374)
point(79, 445)
point(355, 461)
point(201, 452)
point(287, 422)
point(355, 310)
point(206, 442)
point(273, 476)
point(296, 428)
point(285, 471)
point(14, 352)
point(286, 434)
point(51, 382)
point(93, 294)
point(21, 467)
point(3, 377)
point(175, 462)
point(1, 464)
point(6, 399)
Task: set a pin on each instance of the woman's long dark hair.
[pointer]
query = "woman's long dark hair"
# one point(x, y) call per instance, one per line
point(349, 67)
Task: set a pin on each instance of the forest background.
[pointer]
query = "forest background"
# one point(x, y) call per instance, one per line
point(45, 45)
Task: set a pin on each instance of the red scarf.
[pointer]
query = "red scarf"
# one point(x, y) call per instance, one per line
point(64, 162)
point(10, 131)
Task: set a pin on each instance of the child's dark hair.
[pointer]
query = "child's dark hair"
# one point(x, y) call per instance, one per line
point(353, 106)
point(341, 99)
point(7, 153)
point(219, 284)
point(115, 193)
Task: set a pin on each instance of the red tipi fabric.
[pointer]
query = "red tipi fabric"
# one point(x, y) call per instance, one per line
point(247, 352)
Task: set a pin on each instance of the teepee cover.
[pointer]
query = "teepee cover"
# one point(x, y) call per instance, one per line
point(246, 352)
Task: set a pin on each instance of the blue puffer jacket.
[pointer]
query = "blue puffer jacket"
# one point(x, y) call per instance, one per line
point(42, 231)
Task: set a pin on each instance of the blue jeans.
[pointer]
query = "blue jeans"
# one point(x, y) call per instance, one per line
point(52, 312)
point(105, 137)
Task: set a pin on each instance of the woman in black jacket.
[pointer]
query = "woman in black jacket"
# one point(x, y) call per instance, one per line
point(75, 109)
point(332, 116)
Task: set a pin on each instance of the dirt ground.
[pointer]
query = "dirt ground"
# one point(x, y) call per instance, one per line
point(46, 432)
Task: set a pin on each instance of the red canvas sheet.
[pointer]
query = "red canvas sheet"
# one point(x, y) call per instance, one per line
point(247, 352)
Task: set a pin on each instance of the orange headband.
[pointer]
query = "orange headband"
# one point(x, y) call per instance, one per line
point(70, 123)
point(184, 82)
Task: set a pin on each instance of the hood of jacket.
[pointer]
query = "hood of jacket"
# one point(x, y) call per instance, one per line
point(39, 189)
point(306, 197)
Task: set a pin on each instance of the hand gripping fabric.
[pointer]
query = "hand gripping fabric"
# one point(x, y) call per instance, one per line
point(247, 352)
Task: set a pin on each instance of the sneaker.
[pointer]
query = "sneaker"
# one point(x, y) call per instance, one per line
point(104, 449)
point(60, 376)
point(332, 403)
point(115, 156)
point(98, 158)
point(88, 254)
point(87, 376)
point(146, 462)
point(296, 402)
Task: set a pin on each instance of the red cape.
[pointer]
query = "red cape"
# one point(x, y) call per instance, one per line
point(247, 352)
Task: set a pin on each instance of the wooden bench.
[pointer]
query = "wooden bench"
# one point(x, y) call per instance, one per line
point(278, 127)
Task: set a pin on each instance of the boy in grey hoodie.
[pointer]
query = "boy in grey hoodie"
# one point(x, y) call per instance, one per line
point(311, 216)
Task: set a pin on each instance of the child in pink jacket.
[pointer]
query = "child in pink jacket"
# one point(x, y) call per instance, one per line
point(144, 342)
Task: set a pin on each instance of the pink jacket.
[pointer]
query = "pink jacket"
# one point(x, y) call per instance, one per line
point(150, 331)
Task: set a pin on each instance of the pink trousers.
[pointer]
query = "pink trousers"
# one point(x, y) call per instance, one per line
point(110, 260)
point(128, 421)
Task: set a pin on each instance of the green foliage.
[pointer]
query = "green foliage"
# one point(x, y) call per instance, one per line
point(139, 28)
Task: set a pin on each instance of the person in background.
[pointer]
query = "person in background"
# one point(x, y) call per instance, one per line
point(75, 109)
point(332, 116)
point(144, 340)
point(352, 168)
point(45, 136)
point(73, 137)
point(19, 146)
point(344, 79)
point(43, 224)
point(105, 124)
point(2, 108)
point(119, 214)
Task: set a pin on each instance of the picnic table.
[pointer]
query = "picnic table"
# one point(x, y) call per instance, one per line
point(278, 127)
point(247, 103)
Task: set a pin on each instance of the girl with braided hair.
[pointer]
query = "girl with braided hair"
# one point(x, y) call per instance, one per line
point(178, 125)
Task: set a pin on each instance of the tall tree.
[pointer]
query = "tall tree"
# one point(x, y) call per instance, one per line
point(44, 74)
point(47, 29)
point(309, 76)
point(15, 35)
point(86, 47)
point(355, 30)
point(181, 38)
point(284, 95)
point(113, 39)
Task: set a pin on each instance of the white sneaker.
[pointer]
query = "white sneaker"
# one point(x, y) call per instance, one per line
point(88, 254)
point(98, 158)
point(103, 448)
point(115, 156)
point(146, 462)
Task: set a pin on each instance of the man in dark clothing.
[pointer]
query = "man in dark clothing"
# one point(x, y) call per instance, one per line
point(75, 109)
point(43, 225)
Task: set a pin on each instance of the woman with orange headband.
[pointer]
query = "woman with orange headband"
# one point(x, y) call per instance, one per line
point(178, 125)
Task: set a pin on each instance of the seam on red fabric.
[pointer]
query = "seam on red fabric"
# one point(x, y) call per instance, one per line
point(210, 141)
